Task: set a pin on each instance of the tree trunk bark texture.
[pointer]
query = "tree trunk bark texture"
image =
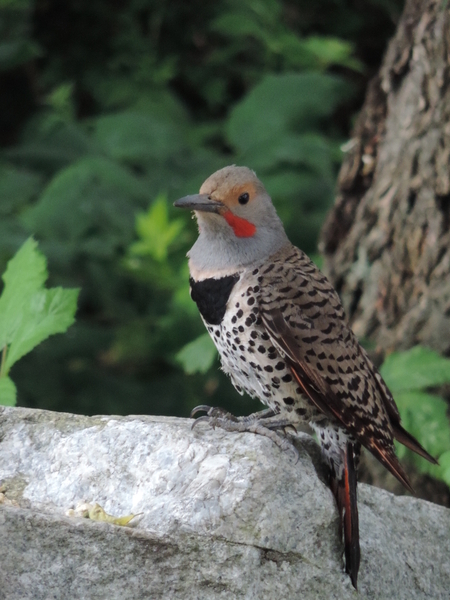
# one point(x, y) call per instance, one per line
point(387, 240)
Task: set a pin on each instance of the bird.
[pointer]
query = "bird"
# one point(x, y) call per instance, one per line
point(283, 338)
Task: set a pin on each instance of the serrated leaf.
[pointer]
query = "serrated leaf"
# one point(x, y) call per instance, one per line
point(415, 369)
point(197, 356)
point(28, 312)
point(25, 274)
point(8, 392)
point(48, 312)
point(156, 231)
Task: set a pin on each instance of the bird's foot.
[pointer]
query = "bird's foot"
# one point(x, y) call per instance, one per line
point(265, 423)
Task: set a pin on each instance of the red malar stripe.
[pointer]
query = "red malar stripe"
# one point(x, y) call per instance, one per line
point(241, 227)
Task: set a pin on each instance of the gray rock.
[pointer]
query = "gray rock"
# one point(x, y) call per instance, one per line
point(224, 516)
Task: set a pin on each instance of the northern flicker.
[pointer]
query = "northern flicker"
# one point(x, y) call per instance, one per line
point(282, 336)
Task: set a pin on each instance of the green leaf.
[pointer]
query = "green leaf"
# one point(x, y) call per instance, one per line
point(136, 137)
point(61, 100)
point(48, 312)
point(425, 417)
point(77, 200)
point(444, 462)
point(17, 52)
point(331, 50)
point(17, 187)
point(415, 369)
point(238, 25)
point(156, 231)
point(284, 104)
point(308, 149)
point(197, 356)
point(29, 313)
point(25, 274)
point(50, 142)
point(8, 392)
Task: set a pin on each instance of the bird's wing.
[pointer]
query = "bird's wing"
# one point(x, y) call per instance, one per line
point(305, 319)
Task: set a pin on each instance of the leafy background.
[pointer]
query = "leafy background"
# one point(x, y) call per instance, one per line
point(109, 111)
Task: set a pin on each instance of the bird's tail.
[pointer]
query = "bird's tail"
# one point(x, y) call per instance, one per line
point(344, 490)
point(405, 438)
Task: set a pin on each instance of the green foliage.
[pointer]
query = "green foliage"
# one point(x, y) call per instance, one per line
point(15, 46)
point(409, 375)
point(197, 356)
point(153, 256)
point(416, 369)
point(155, 231)
point(282, 130)
point(273, 42)
point(17, 187)
point(29, 313)
point(282, 103)
point(8, 392)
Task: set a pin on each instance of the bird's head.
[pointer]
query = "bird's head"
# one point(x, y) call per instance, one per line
point(237, 221)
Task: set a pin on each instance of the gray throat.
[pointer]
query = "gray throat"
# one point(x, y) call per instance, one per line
point(215, 254)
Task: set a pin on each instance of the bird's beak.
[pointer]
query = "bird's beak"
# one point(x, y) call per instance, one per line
point(201, 202)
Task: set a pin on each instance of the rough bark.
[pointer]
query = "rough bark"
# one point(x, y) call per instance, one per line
point(387, 241)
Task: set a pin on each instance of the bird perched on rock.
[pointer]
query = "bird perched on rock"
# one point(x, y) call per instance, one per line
point(282, 336)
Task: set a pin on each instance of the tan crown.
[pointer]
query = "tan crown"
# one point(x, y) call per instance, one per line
point(227, 184)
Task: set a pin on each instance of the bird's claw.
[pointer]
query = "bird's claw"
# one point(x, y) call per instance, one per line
point(285, 429)
point(218, 417)
point(200, 408)
point(215, 416)
point(204, 419)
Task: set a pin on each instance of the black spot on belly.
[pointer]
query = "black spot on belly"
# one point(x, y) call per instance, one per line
point(211, 296)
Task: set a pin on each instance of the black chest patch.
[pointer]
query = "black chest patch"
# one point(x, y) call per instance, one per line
point(211, 296)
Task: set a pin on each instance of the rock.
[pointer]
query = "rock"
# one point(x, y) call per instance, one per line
point(224, 516)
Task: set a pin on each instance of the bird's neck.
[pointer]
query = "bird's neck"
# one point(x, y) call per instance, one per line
point(217, 256)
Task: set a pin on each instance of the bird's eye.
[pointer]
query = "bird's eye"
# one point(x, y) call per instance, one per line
point(243, 198)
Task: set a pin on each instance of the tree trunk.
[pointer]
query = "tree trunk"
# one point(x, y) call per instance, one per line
point(387, 241)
